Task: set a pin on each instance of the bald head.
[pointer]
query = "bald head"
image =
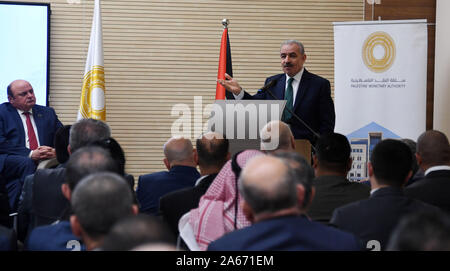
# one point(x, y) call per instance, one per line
point(268, 185)
point(179, 150)
point(21, 95)
point(276, 135)
point(433, 149)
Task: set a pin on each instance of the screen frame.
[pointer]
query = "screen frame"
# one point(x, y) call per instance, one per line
point(49, 12)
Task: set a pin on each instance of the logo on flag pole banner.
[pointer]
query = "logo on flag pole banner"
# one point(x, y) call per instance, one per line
point(93, 94)
point(379, 52)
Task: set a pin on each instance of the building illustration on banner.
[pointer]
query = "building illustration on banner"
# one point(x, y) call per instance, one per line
point(362, 142)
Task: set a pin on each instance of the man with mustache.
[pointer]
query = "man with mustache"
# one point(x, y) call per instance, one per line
point(26, 136)
point(307, 95)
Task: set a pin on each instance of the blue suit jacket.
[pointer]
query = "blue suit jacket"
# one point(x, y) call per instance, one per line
point(286, 233)
point(313, 103)
point(8, 240)
point(375, 218)
point(151, 187)
point(55, 237)
point(12, 133)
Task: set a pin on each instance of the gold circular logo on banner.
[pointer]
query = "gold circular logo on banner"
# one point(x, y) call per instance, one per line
point(379, 40)
point(94, 81)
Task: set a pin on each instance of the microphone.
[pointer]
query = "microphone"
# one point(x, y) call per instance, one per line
point(269, 85)
point(266, 88)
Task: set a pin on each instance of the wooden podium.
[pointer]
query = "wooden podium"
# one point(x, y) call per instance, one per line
point(303, 147)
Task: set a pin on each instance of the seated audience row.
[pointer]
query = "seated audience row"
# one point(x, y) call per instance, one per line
point(257, 200)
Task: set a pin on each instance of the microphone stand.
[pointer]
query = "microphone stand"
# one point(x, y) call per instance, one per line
point(315, 135)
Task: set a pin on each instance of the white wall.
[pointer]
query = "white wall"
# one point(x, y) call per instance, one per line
point(441, 116)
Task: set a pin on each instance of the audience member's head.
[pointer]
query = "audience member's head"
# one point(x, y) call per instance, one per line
point(413, 147)
point(422, 231)
point(276, 135)
point(269, 189)
point(86, 131)
point(61, 142)
point(115, 150)
point(332, 155)
point(304, 176)
point(178, 151)
point(98, 202)
point(390, 164)
point(85, 161)
point(212, 150)
point(134, 231)
point(155, 247)
point(433, 149)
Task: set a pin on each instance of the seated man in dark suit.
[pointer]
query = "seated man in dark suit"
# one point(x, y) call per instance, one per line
point(417, 173)
point(83, 162)
point(373, 219)
point(181, 161)
point(26, 136)
point(275, 199)
point(26, 218)
point(422, 231)
point(99, 201)
point(47, 198)
point(212, 151)
point(433, 156)
point(332, 162)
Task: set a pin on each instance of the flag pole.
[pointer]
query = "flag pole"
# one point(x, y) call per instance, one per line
point(224, 48)
point(92, 100)
point(225, 23)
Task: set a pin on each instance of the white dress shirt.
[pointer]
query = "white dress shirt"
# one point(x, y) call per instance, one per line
point(435, 168)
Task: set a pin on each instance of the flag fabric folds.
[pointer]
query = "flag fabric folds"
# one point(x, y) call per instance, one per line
point(225, 65)
point(92, 102)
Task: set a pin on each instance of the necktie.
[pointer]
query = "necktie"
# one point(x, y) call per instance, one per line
point(31, 134)
point(289, 96)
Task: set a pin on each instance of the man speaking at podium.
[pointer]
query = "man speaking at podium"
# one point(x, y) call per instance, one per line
point(308, 95)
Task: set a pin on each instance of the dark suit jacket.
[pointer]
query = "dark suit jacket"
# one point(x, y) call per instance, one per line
point(433, 189)
point(8, 240)
point(47, 197)
point(286, 233)
point(313, 103)
point(375, 218)
point(175, 204)
point(333, 192)
point(5, 209)
point(151, 187)
point(25, 217)
point(12, 133)
point(56, 237)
